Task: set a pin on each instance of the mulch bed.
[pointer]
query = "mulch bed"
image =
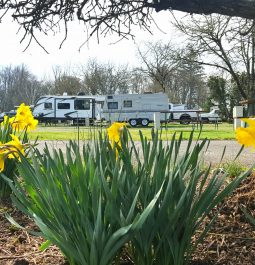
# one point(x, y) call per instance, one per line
point(231, 240)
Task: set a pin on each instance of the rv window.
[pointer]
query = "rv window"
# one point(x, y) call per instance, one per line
point(127, 103)
point(82, 104)
point(110, 97)
point(169, 106)
point(112, 105)
point(63, 105)
point(48, 105)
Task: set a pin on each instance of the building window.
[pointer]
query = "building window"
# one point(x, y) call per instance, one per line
point(112, 105)
point(48, 105)
point(127, 103)
point(63, 105)
point(82, 104)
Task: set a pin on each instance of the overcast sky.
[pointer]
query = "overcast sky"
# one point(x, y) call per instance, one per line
point(40, 63)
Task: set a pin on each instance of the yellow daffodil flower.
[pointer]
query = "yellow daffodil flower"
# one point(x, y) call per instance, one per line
point(246, 136)
point(10, 150)
point(15, 145)
point(32, 123)
point(23, 120)
point(24, 110)
point(2, 157)
point(7, 119)
point(114, 132)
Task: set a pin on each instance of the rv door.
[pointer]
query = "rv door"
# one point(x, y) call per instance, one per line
point(85, 108)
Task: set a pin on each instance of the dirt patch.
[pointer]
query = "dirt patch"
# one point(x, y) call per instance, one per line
point(231, 240)
point(18, 246)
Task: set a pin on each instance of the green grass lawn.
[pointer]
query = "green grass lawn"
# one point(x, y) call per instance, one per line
point(224, 131)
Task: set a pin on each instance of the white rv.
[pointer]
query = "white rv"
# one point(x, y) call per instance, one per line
point(137, 109)
point(62, 108)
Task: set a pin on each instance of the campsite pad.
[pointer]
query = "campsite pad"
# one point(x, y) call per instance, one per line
point(231, 240)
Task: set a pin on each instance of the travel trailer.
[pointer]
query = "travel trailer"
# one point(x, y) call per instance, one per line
point(137, 109)
point(67, 108)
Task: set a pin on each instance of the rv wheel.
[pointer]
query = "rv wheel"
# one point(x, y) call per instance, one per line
point(133, 122)
point(145, 122)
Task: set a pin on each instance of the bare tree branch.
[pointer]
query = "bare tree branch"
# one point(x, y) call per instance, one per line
point(222, 43)
point(104, 17)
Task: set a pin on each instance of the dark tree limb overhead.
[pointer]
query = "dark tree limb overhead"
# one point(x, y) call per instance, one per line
point(102, 17)
point(238, 8)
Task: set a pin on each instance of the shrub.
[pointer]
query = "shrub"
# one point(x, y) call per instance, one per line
point(94, 201)
point(84, 202)
point(188, 194)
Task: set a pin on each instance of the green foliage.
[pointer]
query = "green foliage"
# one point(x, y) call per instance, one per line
point(189, 193)
point(233, 168)
point(84, 202)
point(207, 104)
point(220, 94)
point(150, 199)
point(190, 78)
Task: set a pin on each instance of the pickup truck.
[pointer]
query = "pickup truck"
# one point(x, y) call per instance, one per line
point(212, 116)
point(181, 113)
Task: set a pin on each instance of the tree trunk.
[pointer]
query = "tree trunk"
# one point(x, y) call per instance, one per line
point(251, 106)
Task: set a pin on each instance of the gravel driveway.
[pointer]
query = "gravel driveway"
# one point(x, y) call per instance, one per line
point(212, 155)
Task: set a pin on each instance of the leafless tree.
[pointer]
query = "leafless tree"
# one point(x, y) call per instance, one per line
point(139, 82)
point(105, 78)
point(225, 43)
point(182, 80)
point(109, 16)
point(6, 81)
point(159, 63)
point(65, 81)
point(17, 85)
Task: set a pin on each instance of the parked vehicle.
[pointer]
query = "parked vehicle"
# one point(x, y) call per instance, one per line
point(212, 116)
point(181, 113)
point(10, 114)
point(52, 108)
point(137, 109)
